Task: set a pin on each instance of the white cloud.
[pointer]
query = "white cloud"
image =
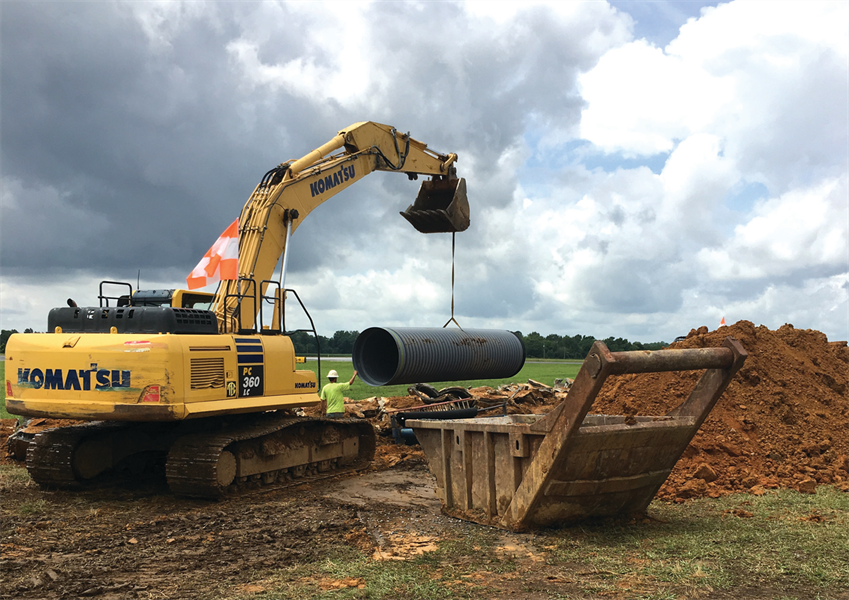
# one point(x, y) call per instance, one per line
point(802, 229)
point(397, 297)
point(740, 72)
point(504, 12)
point(161, 19)
point(820, 303)
point(641, 100)
point(605, 203)
point(746, 93)
point(338, 46)
point(772, 33)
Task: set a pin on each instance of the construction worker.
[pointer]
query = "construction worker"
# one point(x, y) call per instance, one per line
point(333, 397)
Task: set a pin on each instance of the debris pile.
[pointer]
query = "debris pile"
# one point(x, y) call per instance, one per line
point(523, 398)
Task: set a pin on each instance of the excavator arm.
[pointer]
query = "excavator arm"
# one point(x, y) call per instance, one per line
point(290, 191)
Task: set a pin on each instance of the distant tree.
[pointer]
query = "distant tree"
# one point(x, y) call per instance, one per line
point(576, 346)
point(28, 330)
point(4, 336)
point(342, 342)
point(305, 343)
point(536, 346)
point(617, 344)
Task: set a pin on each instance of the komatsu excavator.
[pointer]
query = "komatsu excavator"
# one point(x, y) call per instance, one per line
point(159, 379)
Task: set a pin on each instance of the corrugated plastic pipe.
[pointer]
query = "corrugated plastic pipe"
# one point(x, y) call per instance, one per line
point(397, 355)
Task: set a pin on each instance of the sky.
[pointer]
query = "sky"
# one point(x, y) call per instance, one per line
point(634, 169)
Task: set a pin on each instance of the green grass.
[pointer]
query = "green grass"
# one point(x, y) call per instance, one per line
point(683, 551)
point(433, 575)
point(32, 507)
point(703, 544)
point(545, 372)
point(409, 579)
point(14, 475)
point(3, 413)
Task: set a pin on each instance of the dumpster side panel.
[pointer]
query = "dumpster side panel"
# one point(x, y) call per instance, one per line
point(612, 470)
point(477, 469)
point(609, 467)
point(430, 441)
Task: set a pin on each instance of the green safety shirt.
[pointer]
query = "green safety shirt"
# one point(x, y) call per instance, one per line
point(333, 393)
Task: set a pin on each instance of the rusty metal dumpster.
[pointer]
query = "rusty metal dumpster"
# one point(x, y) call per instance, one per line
point(521, 472)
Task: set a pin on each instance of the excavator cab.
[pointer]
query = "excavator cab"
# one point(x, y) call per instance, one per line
point(440, 207)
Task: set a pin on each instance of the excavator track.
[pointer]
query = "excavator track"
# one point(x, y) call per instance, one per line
point(50, 455)
point(265, 452)
point(207, 459)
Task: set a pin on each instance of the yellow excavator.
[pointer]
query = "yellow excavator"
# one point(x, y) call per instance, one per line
point(157, 378)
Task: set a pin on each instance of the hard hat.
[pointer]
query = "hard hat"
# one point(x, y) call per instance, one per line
point(333, 374)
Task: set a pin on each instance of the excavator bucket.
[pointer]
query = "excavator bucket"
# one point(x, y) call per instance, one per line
point(441, 206)
point(521, 472)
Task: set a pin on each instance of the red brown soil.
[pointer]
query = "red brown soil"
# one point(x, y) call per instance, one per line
point(782, 422)
point(7, 428)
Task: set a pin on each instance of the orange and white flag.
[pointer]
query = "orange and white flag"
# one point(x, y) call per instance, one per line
point(220, 262)
point(722, 322)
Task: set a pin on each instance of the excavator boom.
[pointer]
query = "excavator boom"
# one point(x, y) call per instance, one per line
point(292, 190)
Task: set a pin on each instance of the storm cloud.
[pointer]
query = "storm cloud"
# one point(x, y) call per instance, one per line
point(634, 170)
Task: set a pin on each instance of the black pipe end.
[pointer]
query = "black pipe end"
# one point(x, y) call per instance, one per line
point(375, 356)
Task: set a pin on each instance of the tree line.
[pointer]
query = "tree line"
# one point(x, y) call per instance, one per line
point(536, 346)
point(576, 346)
point(6, 333)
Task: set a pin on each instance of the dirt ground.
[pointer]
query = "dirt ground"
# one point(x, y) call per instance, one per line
point(136, 540)
point(782, 423)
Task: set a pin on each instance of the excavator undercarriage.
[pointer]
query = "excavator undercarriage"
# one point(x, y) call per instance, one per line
point(205, 459)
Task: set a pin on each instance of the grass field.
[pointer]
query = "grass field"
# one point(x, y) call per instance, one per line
point(546, 372)
point(3, 413)
point(783, 546)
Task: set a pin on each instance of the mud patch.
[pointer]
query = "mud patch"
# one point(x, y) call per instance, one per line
point(416, 487)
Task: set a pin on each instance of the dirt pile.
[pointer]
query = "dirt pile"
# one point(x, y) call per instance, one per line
point(782, 422)
point(7, 428)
